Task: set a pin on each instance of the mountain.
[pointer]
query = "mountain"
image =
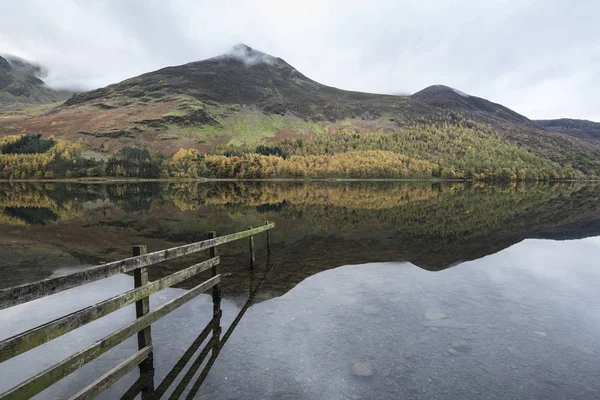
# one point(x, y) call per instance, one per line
point(243, 96)
point(475, 107)
point(575, 127)
point(20, 83)
point(236, 102)
point(243, 76)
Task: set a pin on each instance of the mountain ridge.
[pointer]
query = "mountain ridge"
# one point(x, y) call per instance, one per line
point(21, 83)
point(581, 128)
point(237, 102)
point(450, 98)
point(242, 76)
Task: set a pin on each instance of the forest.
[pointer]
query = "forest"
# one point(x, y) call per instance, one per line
point(36, 157)
point(459, 149)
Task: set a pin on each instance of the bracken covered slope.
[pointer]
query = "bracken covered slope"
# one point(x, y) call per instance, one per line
point(248, 98)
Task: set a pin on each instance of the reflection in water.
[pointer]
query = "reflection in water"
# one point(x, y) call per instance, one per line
point(513, 318)
point(433, 226)
point(521, 323)
point(31, 215)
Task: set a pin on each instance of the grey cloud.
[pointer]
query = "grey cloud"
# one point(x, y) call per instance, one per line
point(539, 58)
point(245, 54)
point(26, 67)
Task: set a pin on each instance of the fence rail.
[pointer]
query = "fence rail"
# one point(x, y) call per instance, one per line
point(24, 293)
point(143, 358)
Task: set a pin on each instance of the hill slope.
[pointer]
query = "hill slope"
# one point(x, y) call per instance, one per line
point(20, 83)
point(247, 102)
point(244, 96)
point(244, 77)
point(575, 127)
point(475, 107)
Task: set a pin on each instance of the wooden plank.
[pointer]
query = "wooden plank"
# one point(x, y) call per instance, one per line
point(216, 297)
point(112, 376)
point(142, 307)
point(32, 338)
point(216, 291)
point(44, 379)
point(268, 239)
point(252, 255)
point(21, 294)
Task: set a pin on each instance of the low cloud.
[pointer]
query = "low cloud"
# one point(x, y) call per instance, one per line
point(539, 58)
point(248, 56)
point(26, 67)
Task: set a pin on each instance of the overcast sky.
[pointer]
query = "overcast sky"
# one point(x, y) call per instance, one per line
point(540, 58)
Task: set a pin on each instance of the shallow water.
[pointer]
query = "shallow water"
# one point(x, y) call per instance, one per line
point(522, 323)
point(458, 292)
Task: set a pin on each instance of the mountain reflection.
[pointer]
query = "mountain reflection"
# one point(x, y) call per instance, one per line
point(318, 326)
point(319, 225)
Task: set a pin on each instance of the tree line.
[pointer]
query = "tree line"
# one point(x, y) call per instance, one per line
point(446, 149)
point(36, 157)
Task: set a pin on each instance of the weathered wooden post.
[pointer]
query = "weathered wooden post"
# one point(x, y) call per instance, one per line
point(142, 307)
point(251, 283)
point(216, 296)
point(268, 239)
point(252, 255)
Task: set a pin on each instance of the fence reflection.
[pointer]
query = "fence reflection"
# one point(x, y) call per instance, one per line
point(191, 380)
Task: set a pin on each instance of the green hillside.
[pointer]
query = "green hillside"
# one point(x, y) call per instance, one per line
point(246, 114)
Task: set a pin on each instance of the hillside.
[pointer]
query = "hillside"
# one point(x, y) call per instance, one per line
point(475, 107)
point(244, 96)
point(245, 106)
point(248, 78)
point(575, 127)
point(20, 83)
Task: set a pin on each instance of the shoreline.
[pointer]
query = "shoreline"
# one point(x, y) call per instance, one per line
point(202, 180)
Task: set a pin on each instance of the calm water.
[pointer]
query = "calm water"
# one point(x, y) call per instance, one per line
point(372, 290)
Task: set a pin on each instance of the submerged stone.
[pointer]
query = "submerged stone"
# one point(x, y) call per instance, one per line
point(461, 346)
point(447, 323)
point(370, 310)
point(432, 315)
point(362, 369)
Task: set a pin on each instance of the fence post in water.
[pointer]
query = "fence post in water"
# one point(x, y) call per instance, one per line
point(142, 307)
point(252, 256)
point(216, 296)
point(268, 239)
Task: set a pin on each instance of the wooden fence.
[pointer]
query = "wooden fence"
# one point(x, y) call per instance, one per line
point(141, 326)
point(214, 345)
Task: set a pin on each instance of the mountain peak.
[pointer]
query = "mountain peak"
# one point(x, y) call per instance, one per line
point(445, 97)
point(248, 55)
point(439, 90)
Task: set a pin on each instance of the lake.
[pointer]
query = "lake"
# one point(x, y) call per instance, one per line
point(372, 290)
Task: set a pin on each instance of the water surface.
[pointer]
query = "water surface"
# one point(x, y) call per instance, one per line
point(372, 290)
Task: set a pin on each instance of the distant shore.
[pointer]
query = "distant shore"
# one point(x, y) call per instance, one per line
point(142, 180)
